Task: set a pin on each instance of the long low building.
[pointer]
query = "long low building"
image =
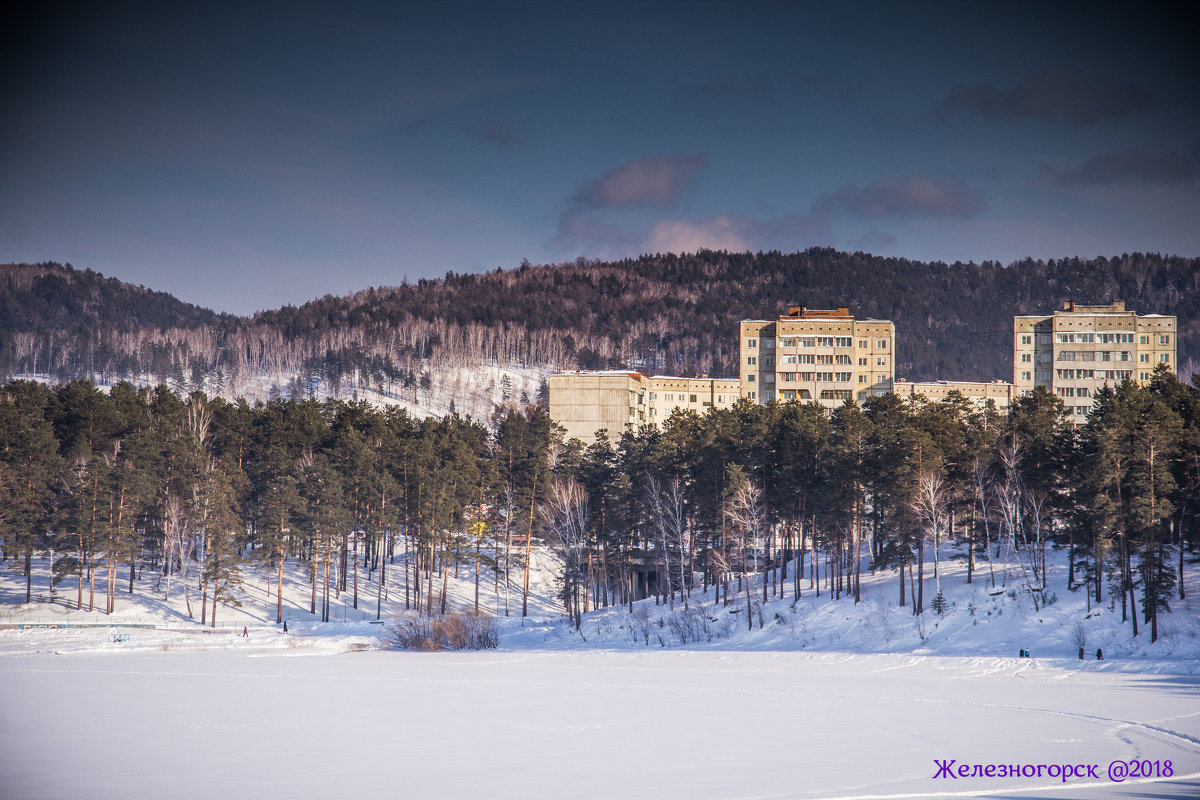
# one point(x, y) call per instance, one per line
point(616, 401)
point(978, 393)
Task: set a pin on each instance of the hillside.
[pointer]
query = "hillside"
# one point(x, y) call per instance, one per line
point(663, 313)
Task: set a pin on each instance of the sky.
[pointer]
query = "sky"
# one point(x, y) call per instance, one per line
point(243, 156)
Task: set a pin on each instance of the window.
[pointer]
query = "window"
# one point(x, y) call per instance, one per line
point(807, 358)
point(824, 341)
point(862, 362)
point(1026, 340)
point(862, 344)
point(1066, 355)
point(843, 360)
point(691, 398)
point(1025, 376)
point(836, 394)
point(1144, 358)
point(788, 395)
point(805, 376)
point(862, 378)
point(750, 378)
point(1164, 358)
point(752, 343)
point(787, 377)
point(789, 360)
point(807, 342)
point(881, 361)
point(751, 360)
point(787, 342)
point(1164, 339)
point(768, 396)
point(1144, 340)
point(653, 396)
point(1086, 338)
point(824, 359)
point(750, 395)
point(881, 344)
point(1026, 357)
point(881, 378)
point(844, 341)
point(768, 344)
point(769, 361)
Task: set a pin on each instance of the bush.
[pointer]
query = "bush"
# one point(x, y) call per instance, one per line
point(454, 631)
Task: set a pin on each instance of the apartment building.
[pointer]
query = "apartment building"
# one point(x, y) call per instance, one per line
point(822, 355)
point(585, 402)
point(589, 401)
point(669, 394)
point(1076, 351)
point(978, 393)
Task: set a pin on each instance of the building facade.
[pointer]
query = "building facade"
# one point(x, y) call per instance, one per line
point(1076, 351)
point(589, 401)
point(617, 401)
point(822, 355)
point(669, 394)
point(978, 393)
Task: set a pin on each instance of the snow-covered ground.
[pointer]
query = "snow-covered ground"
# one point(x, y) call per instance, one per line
point(826, 699)
point(554, 724)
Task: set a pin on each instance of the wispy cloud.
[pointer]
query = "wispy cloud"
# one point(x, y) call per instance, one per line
point(497, 132)
point(1057, 93)
point(903, 197)
point(873, 241)
point(757, 85)
point(737, 234)
point(1135, 165)
point(654, 181)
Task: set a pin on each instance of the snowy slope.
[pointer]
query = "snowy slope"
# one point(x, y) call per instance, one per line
point(979, 621)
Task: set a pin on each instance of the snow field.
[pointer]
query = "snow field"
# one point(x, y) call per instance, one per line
point(828, 699)
point(553, 724)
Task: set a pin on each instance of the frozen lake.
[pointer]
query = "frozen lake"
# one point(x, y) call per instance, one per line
point(553, 724)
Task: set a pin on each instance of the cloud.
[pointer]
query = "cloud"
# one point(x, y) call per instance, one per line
point(897, 198)
point(755, 86)
point(654, 181)
point(737, 234)
point(1056, 93)
point(1135, 165)
point(497, 132)
point(873, 241)
point(686, 236)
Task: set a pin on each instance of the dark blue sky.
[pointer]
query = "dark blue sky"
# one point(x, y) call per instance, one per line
point(247, 155)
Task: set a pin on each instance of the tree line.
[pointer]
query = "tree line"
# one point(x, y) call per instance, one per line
point(755, 501)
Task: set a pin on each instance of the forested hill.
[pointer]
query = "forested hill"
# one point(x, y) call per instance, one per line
point(660, 313)
point(51, 297)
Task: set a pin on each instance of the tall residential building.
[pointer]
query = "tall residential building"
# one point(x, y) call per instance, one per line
point(1076, 351)
point(587, 402)
point(824, 355)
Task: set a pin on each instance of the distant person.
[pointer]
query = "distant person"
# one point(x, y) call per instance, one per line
point(244, 631)
point(1081, 654)
point(285, 626)
point(1099, 654)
